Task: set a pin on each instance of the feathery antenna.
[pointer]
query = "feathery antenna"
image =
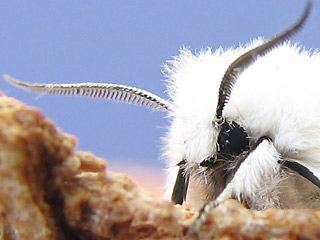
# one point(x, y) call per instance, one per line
point(115, 92)
point(237, 67)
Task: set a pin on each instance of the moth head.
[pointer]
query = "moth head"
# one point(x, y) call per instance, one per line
point(232, 138)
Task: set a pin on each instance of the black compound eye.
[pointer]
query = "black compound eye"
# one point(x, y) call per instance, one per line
point(232, 141)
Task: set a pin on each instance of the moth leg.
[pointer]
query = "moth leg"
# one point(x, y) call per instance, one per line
point(252, 173)
point(302, 170)
point(246, 179)
point(181, 186)
point(195, 227)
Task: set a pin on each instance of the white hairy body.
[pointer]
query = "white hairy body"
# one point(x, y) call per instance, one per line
point(278, 97)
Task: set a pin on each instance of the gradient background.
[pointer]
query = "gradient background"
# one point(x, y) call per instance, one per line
point(125, 42)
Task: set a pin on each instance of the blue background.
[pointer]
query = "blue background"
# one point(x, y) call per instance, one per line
point(125, 42)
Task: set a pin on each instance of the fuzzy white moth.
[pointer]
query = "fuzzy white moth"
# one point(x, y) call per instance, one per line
point(245, 122)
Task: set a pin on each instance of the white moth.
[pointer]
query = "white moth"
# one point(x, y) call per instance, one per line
point(245, 122)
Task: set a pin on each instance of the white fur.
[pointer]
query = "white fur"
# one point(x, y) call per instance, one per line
point(278, 96)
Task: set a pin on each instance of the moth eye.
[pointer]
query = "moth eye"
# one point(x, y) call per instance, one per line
point(232, 141)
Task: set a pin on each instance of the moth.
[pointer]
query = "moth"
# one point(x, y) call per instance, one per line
point(245, 122)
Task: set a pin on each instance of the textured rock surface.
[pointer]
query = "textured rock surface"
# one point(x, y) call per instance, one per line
point(49, 191)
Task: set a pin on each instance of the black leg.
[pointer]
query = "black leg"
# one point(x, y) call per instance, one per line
point(302, 170)
point(181, 186)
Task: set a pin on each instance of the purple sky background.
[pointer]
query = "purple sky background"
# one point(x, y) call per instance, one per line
point(125, 42)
